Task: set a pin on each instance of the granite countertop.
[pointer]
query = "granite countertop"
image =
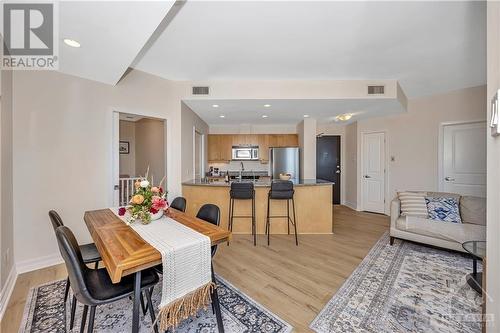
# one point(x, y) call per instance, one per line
point(264, 183)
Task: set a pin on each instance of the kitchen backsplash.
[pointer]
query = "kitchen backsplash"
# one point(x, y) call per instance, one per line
point(236, 165)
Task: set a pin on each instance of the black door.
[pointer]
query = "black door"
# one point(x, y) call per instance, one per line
point(328, 162)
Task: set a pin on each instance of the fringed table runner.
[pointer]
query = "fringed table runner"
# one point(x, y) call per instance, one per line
point(187, 271)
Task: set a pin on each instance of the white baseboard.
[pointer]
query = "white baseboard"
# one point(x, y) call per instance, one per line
point(7, 290)
point(38, 263)
point(351, 205)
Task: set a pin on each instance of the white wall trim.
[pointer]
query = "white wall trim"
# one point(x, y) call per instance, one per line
point(7, 290)
point(38, 263)
point(440, 179)
point(351, 205)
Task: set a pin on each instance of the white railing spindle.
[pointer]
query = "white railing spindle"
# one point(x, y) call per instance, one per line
point(126, 189)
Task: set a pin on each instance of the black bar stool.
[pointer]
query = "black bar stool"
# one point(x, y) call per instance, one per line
point(281, 190)
point(242, 191)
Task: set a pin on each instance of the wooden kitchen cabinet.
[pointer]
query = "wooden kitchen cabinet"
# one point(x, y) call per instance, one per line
point(220, 145)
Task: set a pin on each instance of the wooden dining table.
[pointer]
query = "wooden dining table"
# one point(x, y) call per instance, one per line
point(124, 252)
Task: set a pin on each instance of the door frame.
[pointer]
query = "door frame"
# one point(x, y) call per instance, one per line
point(361, 168)
point(441, 146)
point(114, 151)
point(202, 151)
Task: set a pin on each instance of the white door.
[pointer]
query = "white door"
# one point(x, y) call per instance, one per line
point(464, 159)
point(373, 172)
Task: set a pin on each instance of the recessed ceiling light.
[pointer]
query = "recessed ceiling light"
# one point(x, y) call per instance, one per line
point(71, 42)
point(343, 117)
point(222, 116)
point(267, 105)
point(264, 116)
point(306, 116)
point(215, 105)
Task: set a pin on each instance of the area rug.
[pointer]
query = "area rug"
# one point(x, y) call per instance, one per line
point(404, 288)
point(45, 312)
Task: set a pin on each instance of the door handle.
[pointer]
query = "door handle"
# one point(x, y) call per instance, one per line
point(338, 171)
point(366, 176)
point(449, 179)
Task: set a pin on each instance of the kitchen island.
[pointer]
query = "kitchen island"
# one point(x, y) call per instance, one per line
point(313, 205)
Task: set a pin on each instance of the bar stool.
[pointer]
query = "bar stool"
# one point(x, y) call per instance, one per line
point(242, 191)
point(281, 190)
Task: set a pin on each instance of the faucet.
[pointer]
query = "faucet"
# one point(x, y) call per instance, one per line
point(241, 171)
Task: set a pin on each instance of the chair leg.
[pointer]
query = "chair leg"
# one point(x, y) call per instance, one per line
point(84, 318)
point(391, 241)
point(91, 319)
point(216, 305)
point(288, 215)
point(268, 225)
point(66, 290)
point(229, 226)
point(254, 228)
point(151, 309)
point(144, 306)
point(96, 265)
point(295, 223)
point(73, 310)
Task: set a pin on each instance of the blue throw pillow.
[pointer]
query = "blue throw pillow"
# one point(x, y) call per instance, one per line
point(443, 209)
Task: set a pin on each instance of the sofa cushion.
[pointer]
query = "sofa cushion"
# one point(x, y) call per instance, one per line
point(455, 232)
point(443, 209)
point(473, 210)
point(413, 204)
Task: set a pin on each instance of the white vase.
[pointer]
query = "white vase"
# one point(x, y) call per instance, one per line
point(157, 215)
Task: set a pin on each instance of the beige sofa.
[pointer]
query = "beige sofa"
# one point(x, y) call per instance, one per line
point(438, 233)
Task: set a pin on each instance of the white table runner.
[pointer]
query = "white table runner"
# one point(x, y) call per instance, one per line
point(187, 270)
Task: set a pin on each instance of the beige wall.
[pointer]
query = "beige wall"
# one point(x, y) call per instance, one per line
point(191, 121)
point(493, 173)
point(62, 149)
point(150, 148)
point(351, 165)
point(127, 161)
point(412, 138)
point(306, 131)
point(6, 183)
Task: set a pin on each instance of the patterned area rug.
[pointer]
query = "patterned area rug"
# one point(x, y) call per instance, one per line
point(45, 312)
point(404, 288)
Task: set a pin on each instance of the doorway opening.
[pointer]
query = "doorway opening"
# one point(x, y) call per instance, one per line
point(199, 149)
point(328, 163)
point(141, 147)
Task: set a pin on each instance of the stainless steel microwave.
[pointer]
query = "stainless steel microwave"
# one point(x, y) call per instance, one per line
point(250, 153)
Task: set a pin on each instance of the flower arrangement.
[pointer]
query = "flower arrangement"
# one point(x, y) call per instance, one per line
point(148, 202)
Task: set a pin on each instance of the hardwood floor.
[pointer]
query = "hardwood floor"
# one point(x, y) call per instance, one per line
point(292, 282)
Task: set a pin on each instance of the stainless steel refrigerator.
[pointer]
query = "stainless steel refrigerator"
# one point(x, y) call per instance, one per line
point(284, 160)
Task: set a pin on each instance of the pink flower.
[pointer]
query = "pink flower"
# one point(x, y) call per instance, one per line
point(158, 203)
point(153, 211)
point(122, 211)
point(155, 190)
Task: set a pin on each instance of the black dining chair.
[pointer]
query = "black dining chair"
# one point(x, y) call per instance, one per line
point(281, 190)
point(179, 203)
point(242, 191)
point(89, 253)
point(93, 287)
point(211, 214)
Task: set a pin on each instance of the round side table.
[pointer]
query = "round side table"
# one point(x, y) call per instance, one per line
point(478, 251)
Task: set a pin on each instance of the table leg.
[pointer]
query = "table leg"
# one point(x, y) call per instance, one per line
point(136, 299)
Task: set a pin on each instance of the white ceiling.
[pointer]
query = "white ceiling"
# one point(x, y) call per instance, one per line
point(289, 111)
point(430, 47)
point(111, 34)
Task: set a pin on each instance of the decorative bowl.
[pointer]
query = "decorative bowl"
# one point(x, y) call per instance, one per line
point(285, 176)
